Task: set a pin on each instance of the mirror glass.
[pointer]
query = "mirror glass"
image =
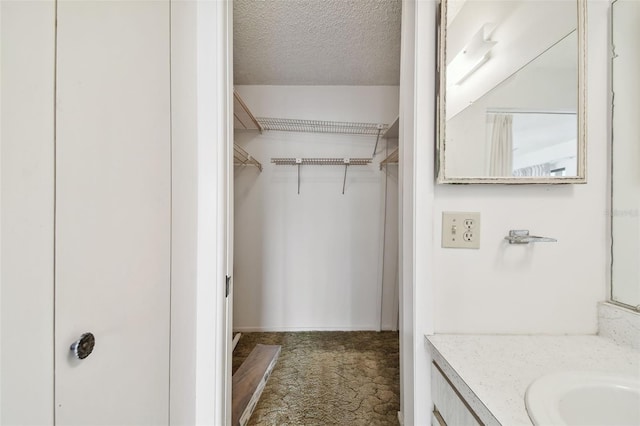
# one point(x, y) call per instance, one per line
point(511, 102)
point(625, 170)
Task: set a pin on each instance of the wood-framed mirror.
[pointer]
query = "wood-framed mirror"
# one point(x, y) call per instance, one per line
point(511, 91)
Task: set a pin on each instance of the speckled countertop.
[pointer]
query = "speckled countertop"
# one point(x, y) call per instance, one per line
point(493, 372)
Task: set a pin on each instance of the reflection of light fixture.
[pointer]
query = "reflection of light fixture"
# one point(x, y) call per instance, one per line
point(475, 54)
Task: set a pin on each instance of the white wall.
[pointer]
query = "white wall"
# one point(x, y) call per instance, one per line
point(626, 154)
point(27, 153)
point(542, 288)
point(309, 261)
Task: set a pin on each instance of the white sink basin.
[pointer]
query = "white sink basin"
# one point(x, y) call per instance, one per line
point(584, 399)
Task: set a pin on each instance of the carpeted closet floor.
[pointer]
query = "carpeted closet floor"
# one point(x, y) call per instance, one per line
point(328, 378)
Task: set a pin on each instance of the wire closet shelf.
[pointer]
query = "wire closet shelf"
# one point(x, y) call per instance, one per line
point(346, 162)
point(321, 161)
point(321, 126)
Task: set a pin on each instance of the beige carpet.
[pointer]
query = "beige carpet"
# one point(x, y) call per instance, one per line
point(328, 378)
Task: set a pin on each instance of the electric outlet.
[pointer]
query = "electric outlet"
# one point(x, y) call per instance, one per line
point(461, 230)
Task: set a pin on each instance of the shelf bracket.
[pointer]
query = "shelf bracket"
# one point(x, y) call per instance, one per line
point(375, 148)
point(344, 181)
point(298, 163)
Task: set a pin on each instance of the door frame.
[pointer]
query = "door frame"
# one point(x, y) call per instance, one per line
point(413, 324)
point(214, 139)
point(202, 134)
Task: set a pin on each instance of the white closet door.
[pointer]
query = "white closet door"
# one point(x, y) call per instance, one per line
point(113, 176)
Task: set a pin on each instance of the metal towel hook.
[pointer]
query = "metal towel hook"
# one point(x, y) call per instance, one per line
point(521, 236)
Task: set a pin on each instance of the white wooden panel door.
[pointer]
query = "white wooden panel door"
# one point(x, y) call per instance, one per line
point(113, 211)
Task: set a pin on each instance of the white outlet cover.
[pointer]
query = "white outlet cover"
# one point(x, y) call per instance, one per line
point(461, 230)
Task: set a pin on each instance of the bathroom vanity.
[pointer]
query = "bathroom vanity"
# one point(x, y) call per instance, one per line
point(482, 379)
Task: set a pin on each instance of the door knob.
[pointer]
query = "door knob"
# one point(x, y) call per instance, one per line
point(83, 347)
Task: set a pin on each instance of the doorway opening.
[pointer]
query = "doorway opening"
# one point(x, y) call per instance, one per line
point(316, 202)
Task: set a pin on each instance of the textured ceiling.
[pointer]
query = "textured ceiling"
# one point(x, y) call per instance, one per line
point(317, 42)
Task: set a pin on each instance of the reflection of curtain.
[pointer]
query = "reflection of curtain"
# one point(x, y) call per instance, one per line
point(501, 145)
point(537, 170)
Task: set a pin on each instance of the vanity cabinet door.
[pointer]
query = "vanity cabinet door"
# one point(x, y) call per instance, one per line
point(449, 407)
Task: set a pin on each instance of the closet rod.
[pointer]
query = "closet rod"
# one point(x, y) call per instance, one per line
point(320, 126)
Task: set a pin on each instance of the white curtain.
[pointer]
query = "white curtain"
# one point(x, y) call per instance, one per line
point(500, 162)
point(537, 170)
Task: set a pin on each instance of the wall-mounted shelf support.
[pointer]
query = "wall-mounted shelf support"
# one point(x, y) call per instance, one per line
point(242, 158)
point(344, 181)
point(243, 119)
point(375, 148)
point(391, 158)
point(346, 162)
point(392, 132)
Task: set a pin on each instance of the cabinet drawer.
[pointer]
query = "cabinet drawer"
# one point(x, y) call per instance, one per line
point(450, 406)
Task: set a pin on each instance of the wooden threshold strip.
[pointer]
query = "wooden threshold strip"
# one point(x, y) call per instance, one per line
point(249, 381)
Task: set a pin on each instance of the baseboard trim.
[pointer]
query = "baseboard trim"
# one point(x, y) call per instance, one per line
point(400, 418)
point(311, 328)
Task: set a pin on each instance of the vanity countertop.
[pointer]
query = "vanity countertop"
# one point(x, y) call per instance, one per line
point(493, 372)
